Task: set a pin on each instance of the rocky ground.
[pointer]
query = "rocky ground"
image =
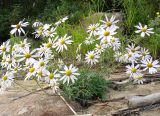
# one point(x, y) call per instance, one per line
point(119, 103)
point(27, 101)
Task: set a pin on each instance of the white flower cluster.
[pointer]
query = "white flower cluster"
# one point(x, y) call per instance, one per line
point(104, 34)
point(36, 62)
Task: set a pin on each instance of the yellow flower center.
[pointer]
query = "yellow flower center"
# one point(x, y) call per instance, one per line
point(22, 44)
point(105, 42)
point(9, 60)
point(51, 75)
point(4, 78)
point(106, 33)
point(15, 69)
point(41, 63)
point(3, 48)
point(27, 55)
point(149, 65)
point(13, 48)
point(108, 23)
point(133, 50)
point(40, 28)
point(133, 70)
point(139, 77)
point(62, 41)
point(143, 29)
point(93, 28)
point(68, 72)
point(129, 55)
point(113, 40)
point(143, 54)
point(99, 47)
point(49, 45)
point(31, 70)
point(40, 73)
point(39, 32)
point(49, 32)
point(18, 26)
point(91, 56)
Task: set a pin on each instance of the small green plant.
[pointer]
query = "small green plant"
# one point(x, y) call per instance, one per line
point(89, 86)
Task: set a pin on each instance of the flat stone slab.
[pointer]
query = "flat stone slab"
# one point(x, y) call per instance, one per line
point(19, 102)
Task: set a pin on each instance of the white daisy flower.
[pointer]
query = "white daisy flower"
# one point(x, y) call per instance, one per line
point(50, 33)
point(41, 73)
point(99, 48)
point(27, 56)
point(105, 42)
point(5, 47)
point(31, 72)
point(69, 74)
point(109, 22)
point(16, 67)
point(41, 63)
point(115, 43)
point(131, 57)
point(19, 28)
point(132, 48)
point(118, 56)
point(10, 61)
point(89, 40)
point(139, 78)
point(6, 80)
point(150, 65)
point(52, 77)
point(39, 32)
point(133, 70)
point(92, 29)
point(22, 45)
point(44, 51)
point(106, 33)
point(51, 43)
point(92, 57)
point(144, 54)
point(62, 43)
point(144, 30)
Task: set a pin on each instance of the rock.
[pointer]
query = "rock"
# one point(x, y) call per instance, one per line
point(18, 102)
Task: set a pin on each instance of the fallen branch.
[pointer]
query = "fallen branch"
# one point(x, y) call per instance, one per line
point(136, 101)
point(135, 110)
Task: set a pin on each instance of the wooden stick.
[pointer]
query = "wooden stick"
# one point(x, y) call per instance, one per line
point(68, 105)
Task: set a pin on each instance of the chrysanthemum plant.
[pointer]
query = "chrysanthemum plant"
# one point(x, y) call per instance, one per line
point(35, 62)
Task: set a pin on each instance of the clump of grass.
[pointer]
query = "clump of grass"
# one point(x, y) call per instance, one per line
point(89, 86)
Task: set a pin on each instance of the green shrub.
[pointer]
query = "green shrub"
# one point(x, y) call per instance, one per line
point(89, 86)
